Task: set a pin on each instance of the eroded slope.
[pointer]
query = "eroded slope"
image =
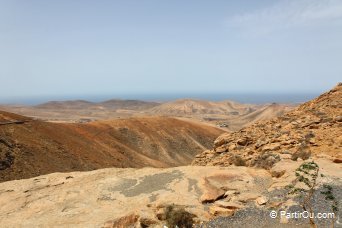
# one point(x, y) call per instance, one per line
point(314, 128)
point(31, 148)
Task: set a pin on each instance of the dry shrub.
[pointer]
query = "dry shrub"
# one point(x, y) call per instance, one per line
point(266, 160)
point(303, 154)
point(178, 217)
point(238, 160)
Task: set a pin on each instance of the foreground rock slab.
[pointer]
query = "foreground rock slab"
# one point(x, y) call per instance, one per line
point(119, 197)
point(110, 197)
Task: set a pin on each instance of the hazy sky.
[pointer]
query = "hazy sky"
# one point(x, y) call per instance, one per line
point(94, 47)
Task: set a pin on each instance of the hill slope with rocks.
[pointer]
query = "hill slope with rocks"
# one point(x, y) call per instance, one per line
point(31, 147)
point(312, 129)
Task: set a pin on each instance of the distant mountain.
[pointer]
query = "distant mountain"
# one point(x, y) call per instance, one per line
point(191, 106)
point(113, 104)
point(128, 104)
point(76, 104)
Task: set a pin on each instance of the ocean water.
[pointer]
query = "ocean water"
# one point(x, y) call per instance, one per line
point(251, 98)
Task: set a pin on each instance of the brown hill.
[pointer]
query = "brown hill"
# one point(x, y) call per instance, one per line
point(128, 104)
point(260, 112)
point(81, 110)
point(227, 114)
point(314, 128)
point(190, 107)
point(31, 147)
point(76, 104)
point(113, 104)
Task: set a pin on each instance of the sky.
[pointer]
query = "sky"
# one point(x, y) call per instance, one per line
point(134, 47)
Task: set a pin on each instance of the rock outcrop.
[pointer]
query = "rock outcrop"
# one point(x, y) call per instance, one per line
point(313, 129)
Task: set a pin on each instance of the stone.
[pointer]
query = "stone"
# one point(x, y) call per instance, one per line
point(231, 147)
point(262, 200)
point(259, 143)
point(229, 205)
point(211, 193)
point(242, 141)
point(221, 149)
point(337, 160)
point(338, 118)
point(271, 147)
point(247, 196)
point(221, 140)
point(219, 211)
point(277, 171)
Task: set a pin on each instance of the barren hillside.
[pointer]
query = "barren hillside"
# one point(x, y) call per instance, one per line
point(191, 107)
point(32, 147)
point(314, 128)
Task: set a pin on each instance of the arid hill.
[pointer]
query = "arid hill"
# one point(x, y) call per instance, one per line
point(113, 104)
point(80, 110)
point(228, 115)
point(191, 106)
point(31, 147)
point(75, 104)
point(314, 128)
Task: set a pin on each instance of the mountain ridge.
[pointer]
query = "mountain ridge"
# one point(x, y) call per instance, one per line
point(312, 129)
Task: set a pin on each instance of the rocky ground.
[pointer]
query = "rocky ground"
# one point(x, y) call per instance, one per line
point(313, 129)
point(216, 196)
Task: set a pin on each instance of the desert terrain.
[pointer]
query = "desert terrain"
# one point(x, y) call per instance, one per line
point(227, 115)
point(236, 183)
point(32, 147)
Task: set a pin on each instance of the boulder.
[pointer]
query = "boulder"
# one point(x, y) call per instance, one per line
point(211, 193)
point(219, 211)
point(262, 200)
point(222, 139)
